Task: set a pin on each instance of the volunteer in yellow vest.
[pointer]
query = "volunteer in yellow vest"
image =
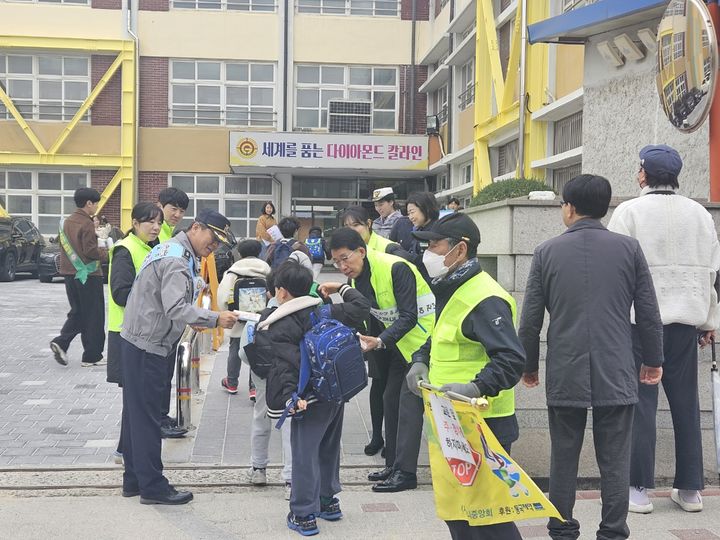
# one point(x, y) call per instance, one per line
point(403, 305)
point(174, 203)
point(474, 348)
point(126, 258)
point(378, 361)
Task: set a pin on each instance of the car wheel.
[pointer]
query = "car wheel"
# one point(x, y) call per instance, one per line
point(7, 272)
point(45, 279)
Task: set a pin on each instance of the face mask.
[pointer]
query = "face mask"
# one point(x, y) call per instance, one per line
point(435, 264)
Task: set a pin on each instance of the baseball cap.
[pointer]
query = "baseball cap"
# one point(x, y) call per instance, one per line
point(218, 224)
point(457, 226)
point(383, 194)
point(660, 160)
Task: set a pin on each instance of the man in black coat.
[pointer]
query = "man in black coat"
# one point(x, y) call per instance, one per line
point(588, 278)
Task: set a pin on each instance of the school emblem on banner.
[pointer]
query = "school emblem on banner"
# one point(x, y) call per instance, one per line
point(474, 479)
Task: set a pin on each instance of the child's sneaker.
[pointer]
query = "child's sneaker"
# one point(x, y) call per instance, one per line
point(288, 490)
point(330, 509)
point(251, 394)
point(307, 526)
point(232, 389)
point(258, 477)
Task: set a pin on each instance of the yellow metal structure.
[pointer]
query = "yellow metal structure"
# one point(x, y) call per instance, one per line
point(124, 162)
point(497, 106)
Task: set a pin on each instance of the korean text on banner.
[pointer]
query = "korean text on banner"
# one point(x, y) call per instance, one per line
point(474, 479)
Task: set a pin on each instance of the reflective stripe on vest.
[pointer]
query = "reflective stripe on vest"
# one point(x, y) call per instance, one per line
point(138, 251)
point(175, 249)
point(456, 359)
point(166, 232)
point(387, 313)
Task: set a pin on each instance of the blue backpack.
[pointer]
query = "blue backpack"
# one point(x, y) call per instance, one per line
point(331, 362)
point(315, 248)
point(281, 253)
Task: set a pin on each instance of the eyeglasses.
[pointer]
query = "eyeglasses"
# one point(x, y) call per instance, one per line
point(563, 203)
point(337, 263)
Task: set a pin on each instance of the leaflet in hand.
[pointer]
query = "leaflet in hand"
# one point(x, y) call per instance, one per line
point(247, 316)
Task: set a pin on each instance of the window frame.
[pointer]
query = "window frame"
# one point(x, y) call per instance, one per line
point(223, 84)
point(332, 7)
point(224, 5)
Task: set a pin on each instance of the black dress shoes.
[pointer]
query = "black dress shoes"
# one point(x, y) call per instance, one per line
point(374, 447)
point(170, 497)
point(379, 476)
point(169, 432)
point(130, 492)
point(398, 481)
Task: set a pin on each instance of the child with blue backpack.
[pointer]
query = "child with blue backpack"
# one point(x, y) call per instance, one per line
point(316, 425)
point(315, 244)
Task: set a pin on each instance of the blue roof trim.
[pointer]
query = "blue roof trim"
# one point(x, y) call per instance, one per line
point(553, 29)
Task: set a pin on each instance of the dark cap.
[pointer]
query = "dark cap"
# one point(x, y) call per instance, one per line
point(457, 226)
point(660, 160)
point(218, 224)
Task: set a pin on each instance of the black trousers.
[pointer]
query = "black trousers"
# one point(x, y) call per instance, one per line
point(143, 379)
point(170, 361)
point(462, 530)
point(612, 428)
point(378, 370)
point(86, 317)
point(403, 418)
point(680, 382)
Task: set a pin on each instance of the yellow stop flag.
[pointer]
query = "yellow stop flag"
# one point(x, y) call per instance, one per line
point(474, 479)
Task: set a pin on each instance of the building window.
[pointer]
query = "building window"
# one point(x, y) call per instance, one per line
point(239, 198)
point(368, 8)
point(442, 182)
point(567, 5)
point(681, 86)
point(504, 36)
point(316, 85)
point(666, 48)
point(568, 133)
point(230, 5)
point(440, 103)
point(466, 173)
point(43, 196)
point(564, 175)
point(45, 87)
point(678, 45)
point(222, 93)
point(68, 2)
point(467, 85)
point(507, 158)
point(504, 4)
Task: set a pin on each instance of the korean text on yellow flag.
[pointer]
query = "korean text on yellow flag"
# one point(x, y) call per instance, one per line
point(474, 479)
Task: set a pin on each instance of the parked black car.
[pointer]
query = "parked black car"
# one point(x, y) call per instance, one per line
point(49, 263)
point(20, 245)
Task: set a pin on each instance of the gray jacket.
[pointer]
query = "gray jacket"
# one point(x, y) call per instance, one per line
point(588, 278)
point(383, 226)
point(161, 304)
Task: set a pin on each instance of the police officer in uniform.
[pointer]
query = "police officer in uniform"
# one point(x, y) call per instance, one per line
point(474, 349)
point(161, 303)
point(403, 305)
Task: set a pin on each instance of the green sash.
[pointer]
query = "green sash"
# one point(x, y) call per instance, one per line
point(82, 270)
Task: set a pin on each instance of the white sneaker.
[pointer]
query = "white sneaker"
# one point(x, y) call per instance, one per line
point(101, 362)
point(639, 500)
point(258, 477)
point(288, 489)
point(118, 457)
point(689, 500)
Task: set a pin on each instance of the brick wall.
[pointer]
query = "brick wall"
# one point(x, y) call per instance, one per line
point(153, 91)
point(422, 10)
point(154, 5)
point(106, 4)
point(150, 183)
point(99, 178)
point(106, 110)
point(420, 99)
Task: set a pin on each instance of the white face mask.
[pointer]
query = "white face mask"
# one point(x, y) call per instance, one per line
point(435, 264)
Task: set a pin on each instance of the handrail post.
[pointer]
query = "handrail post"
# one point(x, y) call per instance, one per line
point(183, 397)
point(195, 364)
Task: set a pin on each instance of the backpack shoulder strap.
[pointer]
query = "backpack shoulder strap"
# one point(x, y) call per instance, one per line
point(322, 312)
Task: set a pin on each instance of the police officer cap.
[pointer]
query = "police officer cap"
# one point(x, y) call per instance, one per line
point(660, 159)
point(218, 224)
point(457, 226)
point(383, 194)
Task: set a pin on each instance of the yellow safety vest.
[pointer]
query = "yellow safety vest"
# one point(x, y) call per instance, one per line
point(457, 359)
point(387, 312)
point(138, 251)
point(166, 232)
point(378, 243)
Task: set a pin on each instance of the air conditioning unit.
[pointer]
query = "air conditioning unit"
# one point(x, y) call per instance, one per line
point(349, 116)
